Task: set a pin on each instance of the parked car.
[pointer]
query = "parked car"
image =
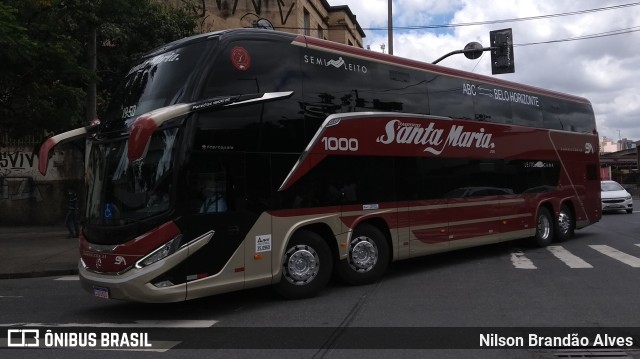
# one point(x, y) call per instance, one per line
point(615, 197)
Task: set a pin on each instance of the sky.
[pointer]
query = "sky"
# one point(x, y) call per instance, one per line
point(605, 69)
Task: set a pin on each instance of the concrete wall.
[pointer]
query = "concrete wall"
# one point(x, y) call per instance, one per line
point(27, 197)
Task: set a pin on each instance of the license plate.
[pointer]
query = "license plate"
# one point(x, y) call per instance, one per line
point(101, 292)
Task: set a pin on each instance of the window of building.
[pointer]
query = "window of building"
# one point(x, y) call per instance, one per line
point(320, 32)
point(307, 23)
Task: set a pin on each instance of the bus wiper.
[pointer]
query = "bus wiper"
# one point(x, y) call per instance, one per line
point(227, 101)
point(130, 220)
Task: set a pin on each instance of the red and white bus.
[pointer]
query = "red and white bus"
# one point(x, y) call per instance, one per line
point(247, 158)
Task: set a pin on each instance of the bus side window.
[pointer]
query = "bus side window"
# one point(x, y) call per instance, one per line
point(580, 116)
point(527, 115)
point(553, 114)
point(450, 97)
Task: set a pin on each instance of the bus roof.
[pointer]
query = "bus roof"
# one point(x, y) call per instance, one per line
point(437, 69)
point(335, 47)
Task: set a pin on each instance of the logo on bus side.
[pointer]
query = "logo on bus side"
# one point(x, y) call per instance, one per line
point(436, 139)
point(240, 58)
point(338, 63)
point(588, 148)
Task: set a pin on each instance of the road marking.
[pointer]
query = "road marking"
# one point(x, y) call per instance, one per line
point(568, 258)
point(617, 255)
point(135, 324)
point(68, 278)
point(520, 261)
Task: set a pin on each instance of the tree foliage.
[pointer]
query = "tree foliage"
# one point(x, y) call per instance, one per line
point(44, 52)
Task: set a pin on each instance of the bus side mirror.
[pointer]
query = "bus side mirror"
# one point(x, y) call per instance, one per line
point(502, 61)
point(47, 146)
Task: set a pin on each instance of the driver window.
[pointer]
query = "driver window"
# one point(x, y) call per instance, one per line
point(212, 186)
point(208, 190)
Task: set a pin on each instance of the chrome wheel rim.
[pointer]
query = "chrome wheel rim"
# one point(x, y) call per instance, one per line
point(544, 227)
point(363, 254)
point(302, 265)
point(564, 222)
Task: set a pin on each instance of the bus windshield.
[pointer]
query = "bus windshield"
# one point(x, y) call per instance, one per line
point(121, 192)
point(156, 81)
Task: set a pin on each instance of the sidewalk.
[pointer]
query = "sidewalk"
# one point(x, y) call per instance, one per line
point(37, 251)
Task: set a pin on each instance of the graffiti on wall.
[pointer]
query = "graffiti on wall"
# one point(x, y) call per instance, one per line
point(19, 188)
point(227, 8)
point(16, 163)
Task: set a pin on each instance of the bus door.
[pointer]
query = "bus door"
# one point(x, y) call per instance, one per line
point(217, 200)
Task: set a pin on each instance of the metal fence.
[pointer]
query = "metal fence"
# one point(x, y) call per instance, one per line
point(7, 140)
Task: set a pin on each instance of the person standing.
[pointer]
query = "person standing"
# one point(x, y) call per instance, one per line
point(72, 208)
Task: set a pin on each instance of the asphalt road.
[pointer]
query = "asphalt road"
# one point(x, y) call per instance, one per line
point(588, 285)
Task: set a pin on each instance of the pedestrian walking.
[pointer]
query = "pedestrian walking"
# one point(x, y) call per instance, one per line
point(72, 216)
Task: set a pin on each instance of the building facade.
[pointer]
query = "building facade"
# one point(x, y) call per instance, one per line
point(608, 145)
point(305, 17)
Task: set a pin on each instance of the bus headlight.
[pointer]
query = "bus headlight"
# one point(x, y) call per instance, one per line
point(162, 252)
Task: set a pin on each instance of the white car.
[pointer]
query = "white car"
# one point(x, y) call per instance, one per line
point(615, 197)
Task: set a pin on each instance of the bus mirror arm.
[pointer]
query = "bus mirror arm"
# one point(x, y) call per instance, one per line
point(48, 145)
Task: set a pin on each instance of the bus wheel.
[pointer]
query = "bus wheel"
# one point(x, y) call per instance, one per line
point(306, 268)
point(368, 256)
point(544, 227)
point(565, 224)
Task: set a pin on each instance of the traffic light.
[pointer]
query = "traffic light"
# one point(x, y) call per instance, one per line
point(502, 61)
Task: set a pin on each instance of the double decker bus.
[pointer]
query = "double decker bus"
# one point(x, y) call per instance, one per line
point(247, 158)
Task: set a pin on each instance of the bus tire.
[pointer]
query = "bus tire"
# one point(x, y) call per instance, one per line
point(306, 267)
point(544, 227)
point(367, 258)
point(565, 224)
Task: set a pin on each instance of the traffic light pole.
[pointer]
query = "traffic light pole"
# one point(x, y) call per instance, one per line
point(473, 52)
point(501, 52)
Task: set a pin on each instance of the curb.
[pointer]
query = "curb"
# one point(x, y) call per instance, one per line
point(51, 273)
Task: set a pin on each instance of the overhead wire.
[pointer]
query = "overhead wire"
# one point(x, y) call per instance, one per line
point(490, 22)
point(586, 37)
point(539, 17)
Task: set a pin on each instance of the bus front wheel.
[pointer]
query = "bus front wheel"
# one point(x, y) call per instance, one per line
point(544, 227)
point(368, 256)
point(306, 267)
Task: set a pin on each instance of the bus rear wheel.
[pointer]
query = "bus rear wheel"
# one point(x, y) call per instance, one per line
point(544, 227)
point(368, 256)
point(565, 224)
point(306, 267)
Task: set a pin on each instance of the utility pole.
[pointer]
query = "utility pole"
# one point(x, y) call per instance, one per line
point(91, 112)
point(390, 29)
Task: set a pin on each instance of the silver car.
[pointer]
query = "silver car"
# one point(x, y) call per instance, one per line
point(615, 197)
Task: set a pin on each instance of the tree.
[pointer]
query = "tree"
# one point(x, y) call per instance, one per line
point(129, 29)
point(40, 80)
point(44, 49)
